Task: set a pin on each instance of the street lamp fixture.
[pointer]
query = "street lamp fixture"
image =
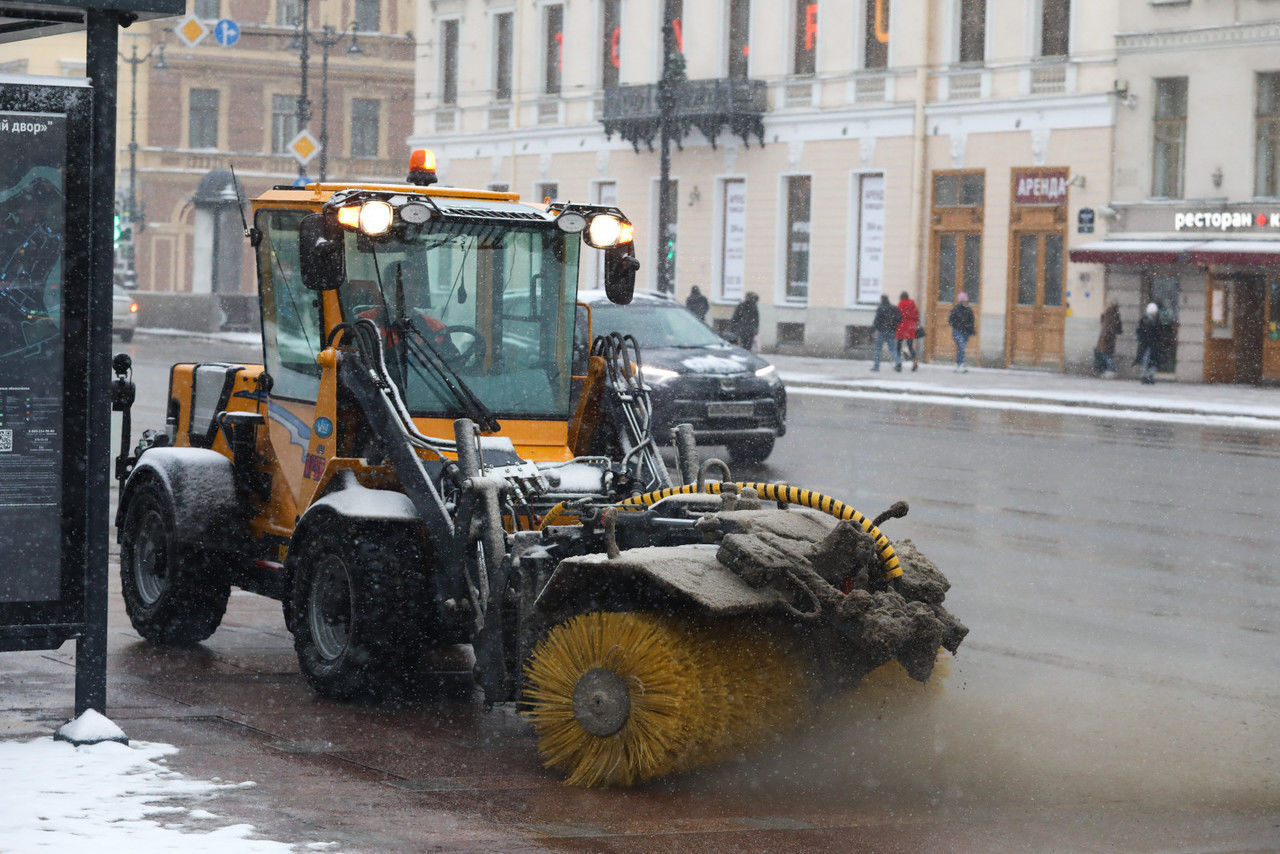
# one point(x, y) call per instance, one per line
point(135, 215)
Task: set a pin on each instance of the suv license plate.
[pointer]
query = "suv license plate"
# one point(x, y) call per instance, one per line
point(731, 409)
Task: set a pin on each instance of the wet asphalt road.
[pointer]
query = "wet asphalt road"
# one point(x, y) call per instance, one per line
point(1118, 690)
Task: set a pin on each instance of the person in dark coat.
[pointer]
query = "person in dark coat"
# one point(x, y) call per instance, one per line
point(1104, 355)
point(885, 327)
point(697, 303)
point(963, 327)
point(908, 320)
point(745, 322)
point(1148, 333)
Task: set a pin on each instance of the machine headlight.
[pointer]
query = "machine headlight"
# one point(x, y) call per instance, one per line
point(375, 217)
point(767, 372)
point(657, 376)
point(609, 230)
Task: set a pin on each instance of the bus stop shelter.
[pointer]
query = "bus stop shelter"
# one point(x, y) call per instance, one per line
point(57, 191)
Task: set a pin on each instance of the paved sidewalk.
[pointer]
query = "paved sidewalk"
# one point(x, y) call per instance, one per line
point(1256, 404)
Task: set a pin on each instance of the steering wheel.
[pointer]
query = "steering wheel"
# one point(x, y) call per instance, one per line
point(471, 354)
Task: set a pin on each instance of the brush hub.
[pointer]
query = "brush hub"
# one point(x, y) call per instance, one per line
point(601, 701)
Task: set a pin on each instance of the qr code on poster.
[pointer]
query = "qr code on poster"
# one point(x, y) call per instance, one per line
point(6, 441)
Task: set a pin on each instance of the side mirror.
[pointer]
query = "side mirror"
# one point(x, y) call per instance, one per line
point(620, 265)
point(320, 255)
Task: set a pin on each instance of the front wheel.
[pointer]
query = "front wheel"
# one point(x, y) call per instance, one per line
point(358, 603)
point(750, 451)
point(173, 593)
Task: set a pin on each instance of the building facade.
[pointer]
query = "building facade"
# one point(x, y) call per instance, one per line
point(197, 110)
point(1195, 216)
point(835, 151)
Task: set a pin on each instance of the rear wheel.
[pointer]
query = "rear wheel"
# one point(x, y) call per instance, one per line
point(174, 593)
point(358, 607)
point(750, 451)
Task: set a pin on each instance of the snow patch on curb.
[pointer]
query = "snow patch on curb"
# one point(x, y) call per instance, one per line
point(110, 797)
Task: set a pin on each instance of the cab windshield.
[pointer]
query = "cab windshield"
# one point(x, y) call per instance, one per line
point(495, 302)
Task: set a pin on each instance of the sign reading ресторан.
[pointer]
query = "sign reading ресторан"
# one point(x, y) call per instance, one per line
point(1226, 220)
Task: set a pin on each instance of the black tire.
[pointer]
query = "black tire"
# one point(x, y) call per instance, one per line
point(175, 594)
point(358, 603)
point(126, 335)
point(750, 451)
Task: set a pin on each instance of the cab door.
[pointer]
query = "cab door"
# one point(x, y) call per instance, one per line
point(1037, 314)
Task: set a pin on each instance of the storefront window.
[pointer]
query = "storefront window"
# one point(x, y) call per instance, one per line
point(957, 190)
point(1273, 310)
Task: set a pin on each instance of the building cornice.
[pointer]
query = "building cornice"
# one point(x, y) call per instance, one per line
point(1199, 38)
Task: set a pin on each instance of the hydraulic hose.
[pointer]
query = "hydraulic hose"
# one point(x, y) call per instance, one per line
point(791, 495)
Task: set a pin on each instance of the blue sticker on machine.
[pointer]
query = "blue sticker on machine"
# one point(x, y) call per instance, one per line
point(323, 427)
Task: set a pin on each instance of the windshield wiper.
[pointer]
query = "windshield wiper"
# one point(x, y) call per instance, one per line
point(462, 393)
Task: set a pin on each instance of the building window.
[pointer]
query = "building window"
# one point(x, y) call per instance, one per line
point(1267, 158)
point(503, 48)
point(364, 127)
point(958, 190)
point(806, 37)
point(553, 49)
point(202, 118)
point(546, 191)
point(973, 30)
point(449, 61)
point(610, 46)
point(284, 122)
point(288, 13)
point(875, 35)
point(798, 190)
point(1055, 27)
point(739, 35)
point(1170, 133)
point(368, 16)
point(207, 10)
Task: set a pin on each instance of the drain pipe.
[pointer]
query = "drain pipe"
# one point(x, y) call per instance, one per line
point(919, 169)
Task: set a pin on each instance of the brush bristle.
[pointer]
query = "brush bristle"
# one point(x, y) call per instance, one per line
point(699, 694)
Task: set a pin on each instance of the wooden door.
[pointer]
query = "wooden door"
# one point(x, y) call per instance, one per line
point(1271, 332)
point(1037, 310)
point(956, 267)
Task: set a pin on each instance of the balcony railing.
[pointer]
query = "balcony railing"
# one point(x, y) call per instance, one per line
point(734, 104)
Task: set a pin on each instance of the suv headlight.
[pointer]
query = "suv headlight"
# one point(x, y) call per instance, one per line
point(657, 376)
point(768, 372)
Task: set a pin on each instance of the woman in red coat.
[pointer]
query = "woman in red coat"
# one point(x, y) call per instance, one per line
point(907, 332)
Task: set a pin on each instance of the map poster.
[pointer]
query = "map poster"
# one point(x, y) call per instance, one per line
point(33, 231)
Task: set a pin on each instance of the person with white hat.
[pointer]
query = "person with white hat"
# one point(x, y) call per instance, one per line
point(1148, 332)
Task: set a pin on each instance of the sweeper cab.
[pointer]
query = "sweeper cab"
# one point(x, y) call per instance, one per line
point(436, 452)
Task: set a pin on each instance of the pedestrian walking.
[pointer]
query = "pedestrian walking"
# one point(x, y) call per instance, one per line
point(907, 332)
point(885, 327)
point(745, 322)
point(697, 303)
point(1104, 355)
point(962, 327)
point(1148, 332)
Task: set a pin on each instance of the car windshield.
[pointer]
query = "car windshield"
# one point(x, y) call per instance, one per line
point(653, 325)
point(496, 303)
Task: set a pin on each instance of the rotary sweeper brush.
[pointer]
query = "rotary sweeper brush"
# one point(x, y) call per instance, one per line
point(431, 454)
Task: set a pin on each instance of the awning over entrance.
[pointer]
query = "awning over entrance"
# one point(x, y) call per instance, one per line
point(1135, 252)
point(1149, 253)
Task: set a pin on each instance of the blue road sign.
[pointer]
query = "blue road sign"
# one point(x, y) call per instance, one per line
point(301, 181)
point(226, 32)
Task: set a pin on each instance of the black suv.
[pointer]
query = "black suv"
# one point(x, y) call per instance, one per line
point(731, 396)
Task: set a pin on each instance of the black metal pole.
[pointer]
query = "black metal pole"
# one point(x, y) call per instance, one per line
point(326, 41)
point(131, 201)
point(304, 106)
point(102, 42)
point(666, 109)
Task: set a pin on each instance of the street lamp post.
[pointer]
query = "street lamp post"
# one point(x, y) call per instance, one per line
point(672, 74)
point(131, 201)
point(328, 38)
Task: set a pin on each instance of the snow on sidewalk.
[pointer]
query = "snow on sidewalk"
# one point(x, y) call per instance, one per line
point(110, 797)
